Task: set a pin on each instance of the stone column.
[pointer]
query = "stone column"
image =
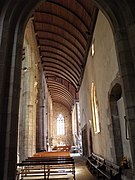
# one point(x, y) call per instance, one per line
point(27, 126)
point(40, 106)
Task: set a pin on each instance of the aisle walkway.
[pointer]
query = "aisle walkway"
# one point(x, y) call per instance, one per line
point(82, 173)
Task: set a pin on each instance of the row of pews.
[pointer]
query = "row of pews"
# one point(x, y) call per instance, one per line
point(46, 164)
point(102, 168)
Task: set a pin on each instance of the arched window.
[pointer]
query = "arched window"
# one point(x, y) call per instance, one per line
point(60, 125)
point(95, 111)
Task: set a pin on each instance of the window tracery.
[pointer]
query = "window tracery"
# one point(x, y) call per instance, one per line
point(60, 125)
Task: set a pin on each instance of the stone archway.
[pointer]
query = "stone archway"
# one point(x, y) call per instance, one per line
point(14, 16)
point(115, 95)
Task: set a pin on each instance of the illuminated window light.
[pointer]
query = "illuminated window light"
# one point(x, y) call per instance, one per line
point(92, 49)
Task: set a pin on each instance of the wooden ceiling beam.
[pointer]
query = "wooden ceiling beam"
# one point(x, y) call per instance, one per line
point(62, 45)
point(62, 64)
point(52, 47)
point(61, 70)
point(73, 35)
point(64, 76)
point(64, 8)
point(61, 55)
point(70, 64)
point(60, 17)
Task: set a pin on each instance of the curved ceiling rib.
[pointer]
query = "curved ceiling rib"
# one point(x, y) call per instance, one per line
point(63, 30)
point(60, 92)
point(85, 7)
point(54, 62)
point(61, 59)
point(73, 35)
point(63, 96)
point(47, 41)
point(60, 35)
point(61, 22)
point(67, 20)
point(63, 48)
point(76, 13)
point(55, 74)
point(68, 12)
point(62, 68)
point(63, 63)
point(49, 53)
point(64, 88)
point(65, 73)
point(79, 7)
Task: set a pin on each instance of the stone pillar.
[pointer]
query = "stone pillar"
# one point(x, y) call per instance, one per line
point(40, 106)
point(27, 126)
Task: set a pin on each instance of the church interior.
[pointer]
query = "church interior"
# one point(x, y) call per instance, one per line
point(67, 88)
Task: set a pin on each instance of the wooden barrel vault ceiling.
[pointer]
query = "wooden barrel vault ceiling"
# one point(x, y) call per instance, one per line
point(64, 29)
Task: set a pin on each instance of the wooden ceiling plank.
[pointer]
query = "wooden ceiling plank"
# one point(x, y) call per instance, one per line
point(64, 64)
point(69, 11)
point(64, 32)
point(61, 99)
point(61, 55)
point(54, 93)
point(63, 90)
point(57, 35)
point(59, 92)
point(56, 43)
point(60, 17)
point(52, 82)
point(51, 47)
point(79, 40)
point(48, 72)
point(70, 64)
point(61, 70)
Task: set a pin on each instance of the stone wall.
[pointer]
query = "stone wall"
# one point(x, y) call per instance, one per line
point(32, 111)
point(67, 137)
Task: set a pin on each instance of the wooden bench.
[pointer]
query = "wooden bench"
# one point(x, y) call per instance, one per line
point(47, 159)
point(95, 162)
point(103, 168)
point(52, 154)
point(47, 166)
point(111, 171)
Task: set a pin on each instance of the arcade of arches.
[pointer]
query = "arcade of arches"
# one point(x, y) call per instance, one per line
point(67, 78)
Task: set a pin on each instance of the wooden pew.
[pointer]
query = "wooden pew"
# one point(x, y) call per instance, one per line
point(101, 167)
point(47, 165)
point(52, 154)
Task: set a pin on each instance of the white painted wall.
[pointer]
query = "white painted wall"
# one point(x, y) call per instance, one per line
point(101, 69)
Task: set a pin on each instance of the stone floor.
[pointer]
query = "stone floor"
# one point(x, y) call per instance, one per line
point(81, 170)
point(82, 173)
